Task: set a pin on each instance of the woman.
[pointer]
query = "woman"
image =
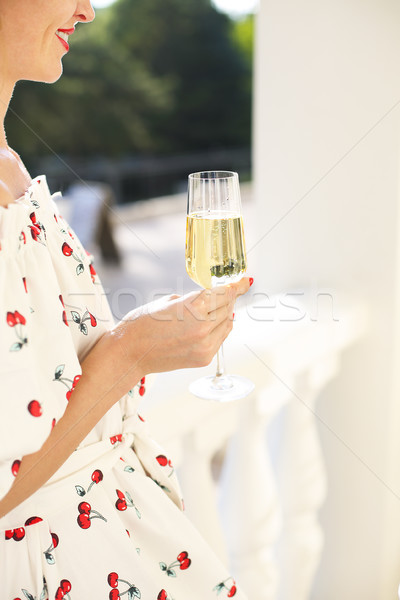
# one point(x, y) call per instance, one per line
point(89, 505)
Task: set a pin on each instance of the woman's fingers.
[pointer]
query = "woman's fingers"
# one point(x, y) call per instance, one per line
point(222, 313)
point(219, 334)
point(221, 295)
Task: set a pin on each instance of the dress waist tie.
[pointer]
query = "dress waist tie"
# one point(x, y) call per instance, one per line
point(103, 456)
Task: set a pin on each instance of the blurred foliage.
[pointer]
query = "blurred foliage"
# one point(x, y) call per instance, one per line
point(243, 37)
point(147, 77)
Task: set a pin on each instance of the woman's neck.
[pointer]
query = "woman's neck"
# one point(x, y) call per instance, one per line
point(6, 92)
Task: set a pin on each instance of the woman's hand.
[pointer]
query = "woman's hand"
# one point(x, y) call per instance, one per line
point(179, 332)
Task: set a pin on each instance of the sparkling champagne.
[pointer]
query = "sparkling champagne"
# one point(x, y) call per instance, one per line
point(215, 249)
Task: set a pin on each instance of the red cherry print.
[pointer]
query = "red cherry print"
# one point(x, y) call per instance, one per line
point(232, 591)
point(129, 535)
point(11, 320)
point(64, 314)
point(53, 423)
point(59, 594)
point(55, 540)
point(92, 272)
point(9, 533)
point(35, 408)
point(15, 467)
point(182, 556)
point(22, 237)
point(141, 418)
point(185, 564)
point(84, 521)
point(114, 594)
point(35, 232)
point(163, 461)
point(93, 320)
point(116, 438)
point(142, 390)
point(66, 250)
point(113, 579)
point(19, 534)
point(97, 476)
point(76, 379)
point(84, 508)
point(24, 278)
point(19, 318)
point(68, 394)
point(162, 595)
point(65, 585)
point(143, 380)
point(120, 494)
point(33, 520)
point(121, 504)
point(35, 227)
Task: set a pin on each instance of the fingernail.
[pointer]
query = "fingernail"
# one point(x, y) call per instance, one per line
point(251, 280)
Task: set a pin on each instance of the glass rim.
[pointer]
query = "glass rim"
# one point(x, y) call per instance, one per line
point(212, 175)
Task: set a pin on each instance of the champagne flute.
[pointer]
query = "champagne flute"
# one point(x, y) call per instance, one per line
point(216, 255)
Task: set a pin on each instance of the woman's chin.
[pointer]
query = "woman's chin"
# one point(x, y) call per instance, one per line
point(53, 77)
point(46, 75)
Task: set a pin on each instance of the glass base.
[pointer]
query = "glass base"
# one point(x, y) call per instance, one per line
point(222, 389)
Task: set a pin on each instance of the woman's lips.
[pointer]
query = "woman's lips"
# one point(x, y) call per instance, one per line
point(63, 34)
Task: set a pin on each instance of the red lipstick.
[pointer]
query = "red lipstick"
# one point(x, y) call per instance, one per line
point(64, 43)
point(66, 32)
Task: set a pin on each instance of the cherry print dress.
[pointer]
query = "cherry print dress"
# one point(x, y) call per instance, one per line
point(109, 524)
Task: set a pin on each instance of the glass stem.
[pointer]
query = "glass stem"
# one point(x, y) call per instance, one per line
point(220, 362)
point(221, 382)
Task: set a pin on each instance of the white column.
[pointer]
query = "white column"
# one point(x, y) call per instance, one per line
point(251, 508)
point(303, 483)
point(199, 488)
point(326, 148)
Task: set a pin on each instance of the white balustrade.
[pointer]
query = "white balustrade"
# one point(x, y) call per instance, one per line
point(261, 514)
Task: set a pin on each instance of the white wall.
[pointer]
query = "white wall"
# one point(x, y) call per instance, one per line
point(326, 171)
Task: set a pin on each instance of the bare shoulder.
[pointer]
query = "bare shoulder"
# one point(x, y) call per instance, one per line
point(6, 196)
point(14, 178)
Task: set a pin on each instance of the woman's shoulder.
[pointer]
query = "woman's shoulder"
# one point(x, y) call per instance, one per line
point(6, 196)
point(14, 177)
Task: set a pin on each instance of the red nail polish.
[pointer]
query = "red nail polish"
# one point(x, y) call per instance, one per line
point(251, 281)
point(233, 316)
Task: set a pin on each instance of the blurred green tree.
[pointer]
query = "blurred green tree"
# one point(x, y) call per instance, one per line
point(243, 38)
point(190, 43)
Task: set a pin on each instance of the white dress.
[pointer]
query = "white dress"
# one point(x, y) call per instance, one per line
point(109, 524)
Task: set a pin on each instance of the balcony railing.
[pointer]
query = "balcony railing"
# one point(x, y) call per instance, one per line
point(252, 471)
